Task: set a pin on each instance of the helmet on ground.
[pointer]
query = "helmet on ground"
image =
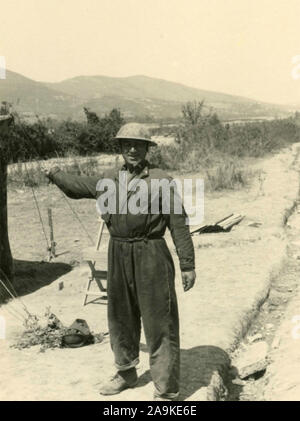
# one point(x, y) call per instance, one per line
point(135, 131)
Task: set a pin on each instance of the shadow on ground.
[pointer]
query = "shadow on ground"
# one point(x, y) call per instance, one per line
point(31, 276)
point(198, 367)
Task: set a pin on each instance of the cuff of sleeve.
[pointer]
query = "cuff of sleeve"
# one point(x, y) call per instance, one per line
point(53, 171)
point(187, 267)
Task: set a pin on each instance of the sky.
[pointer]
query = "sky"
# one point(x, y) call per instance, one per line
point(241, 47)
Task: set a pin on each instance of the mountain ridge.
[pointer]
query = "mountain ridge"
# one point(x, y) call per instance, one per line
point(144, 79)
point(137, 96)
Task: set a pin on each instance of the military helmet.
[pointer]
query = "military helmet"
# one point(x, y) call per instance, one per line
point(135, 131)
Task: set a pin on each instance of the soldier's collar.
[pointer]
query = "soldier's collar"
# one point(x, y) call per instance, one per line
point(142, 167)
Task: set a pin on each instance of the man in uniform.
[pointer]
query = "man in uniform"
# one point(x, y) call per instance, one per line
point(140, 283)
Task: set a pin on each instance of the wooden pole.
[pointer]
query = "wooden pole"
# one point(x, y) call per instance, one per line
point(6, 261)
point(52, 242)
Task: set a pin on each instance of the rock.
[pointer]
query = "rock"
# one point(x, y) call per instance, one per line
point(269, 325)
point(254, 224)
point(215, 391)
point(275, 298)
point(253, 360)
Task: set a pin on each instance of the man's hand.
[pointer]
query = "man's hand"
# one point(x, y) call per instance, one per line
point(47, 170)
point(188, 279)
point(44, 170)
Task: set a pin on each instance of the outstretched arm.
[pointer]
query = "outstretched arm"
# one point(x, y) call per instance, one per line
point(74, 186)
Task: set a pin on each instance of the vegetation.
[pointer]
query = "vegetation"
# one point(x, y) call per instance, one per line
point(48, 332)
point(202, 144)
point(43, 140)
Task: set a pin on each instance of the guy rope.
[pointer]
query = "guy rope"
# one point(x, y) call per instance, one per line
point(49, 248)
point(16, 307)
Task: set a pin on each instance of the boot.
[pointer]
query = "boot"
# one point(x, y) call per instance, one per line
point(171, 397)
point(120, 381)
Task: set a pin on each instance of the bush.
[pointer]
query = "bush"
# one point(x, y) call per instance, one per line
point(165, 157)
point(202, 143)
point(205, 145)
point(207, 134)
point(44, 140)
point(230, 174)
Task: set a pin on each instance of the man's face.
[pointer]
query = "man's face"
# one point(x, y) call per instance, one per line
point(133, 151)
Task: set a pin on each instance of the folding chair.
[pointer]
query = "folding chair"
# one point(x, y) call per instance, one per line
point(93, 256)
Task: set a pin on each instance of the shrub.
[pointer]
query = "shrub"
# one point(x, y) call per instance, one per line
point(202, 144)
point(44, 140)
point(230, 174)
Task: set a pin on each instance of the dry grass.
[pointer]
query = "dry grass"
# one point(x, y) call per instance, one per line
point(30, 174)
point(229, 175)
point(221, 172)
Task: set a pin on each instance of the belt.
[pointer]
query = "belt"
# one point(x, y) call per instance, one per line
point(135, 239)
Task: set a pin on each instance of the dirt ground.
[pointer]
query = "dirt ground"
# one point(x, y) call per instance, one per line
point(234, 274)
point(277, 324)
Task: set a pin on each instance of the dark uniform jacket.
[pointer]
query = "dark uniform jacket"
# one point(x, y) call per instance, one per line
point(128, 226)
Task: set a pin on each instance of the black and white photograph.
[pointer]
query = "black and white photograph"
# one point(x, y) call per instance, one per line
point(149, 203)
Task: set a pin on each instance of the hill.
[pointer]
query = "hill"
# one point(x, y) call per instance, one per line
point(34, 97)
point(139, 97)
point(92, 87)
